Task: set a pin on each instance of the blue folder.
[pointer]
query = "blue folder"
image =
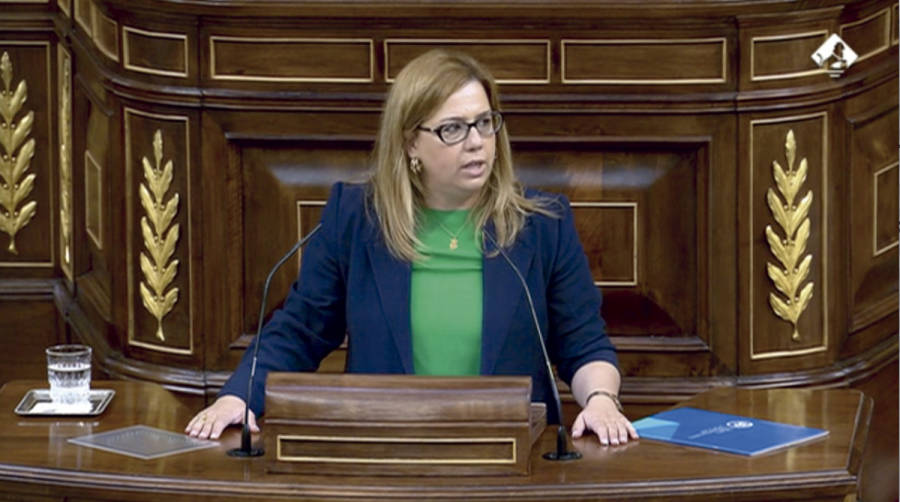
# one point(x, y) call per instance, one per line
point(723, 432)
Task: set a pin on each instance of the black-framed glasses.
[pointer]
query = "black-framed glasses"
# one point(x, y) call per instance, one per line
point(456, 131)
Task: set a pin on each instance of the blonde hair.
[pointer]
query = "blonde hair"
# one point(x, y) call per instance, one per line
point(397, 191)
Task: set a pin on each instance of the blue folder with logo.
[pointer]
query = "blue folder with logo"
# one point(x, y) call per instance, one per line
point(723, 432)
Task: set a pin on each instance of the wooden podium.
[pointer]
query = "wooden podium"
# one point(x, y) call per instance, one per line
point(37, 463)
point(318, 423)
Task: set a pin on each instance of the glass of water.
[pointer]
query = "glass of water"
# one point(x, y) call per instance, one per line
point(69, 373)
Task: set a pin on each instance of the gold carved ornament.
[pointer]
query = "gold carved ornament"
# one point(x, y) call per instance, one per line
point(65, 163)
point(794, 222)
point(14, 161)
point(159, 239)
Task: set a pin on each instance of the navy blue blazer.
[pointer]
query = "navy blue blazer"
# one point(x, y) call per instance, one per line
point(351, 284)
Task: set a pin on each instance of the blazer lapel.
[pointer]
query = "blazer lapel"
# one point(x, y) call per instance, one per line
point(392, 279)
point(503, 292)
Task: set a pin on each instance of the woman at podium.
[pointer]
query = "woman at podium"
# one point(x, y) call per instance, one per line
point(420, 265)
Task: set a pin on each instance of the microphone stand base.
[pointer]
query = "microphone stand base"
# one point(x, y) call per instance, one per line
point(562, 456)
point(242, 453)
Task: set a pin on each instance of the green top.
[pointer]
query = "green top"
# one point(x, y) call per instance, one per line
point(445, 296)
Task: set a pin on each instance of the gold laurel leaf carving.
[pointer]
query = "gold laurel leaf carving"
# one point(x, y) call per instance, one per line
point(793, 268)
point(65, 162)
point(160, 239)
point(790, 147)
point(15, 185)
point(9, 107)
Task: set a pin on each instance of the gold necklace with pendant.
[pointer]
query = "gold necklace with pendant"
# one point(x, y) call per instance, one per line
point(454, 242)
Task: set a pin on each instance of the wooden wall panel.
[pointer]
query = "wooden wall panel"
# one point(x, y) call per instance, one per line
point(277, 59)
point(155, 52)
point(648, 61)
point(28, 67)
point(785, 56)
point(105, 34)
point(609, 233)
point(510, 61)
point(895, 19)
point(873, 213)
point(93, 147)
point(83, 16)
point(870, 35)
point(159, 195)
point(28, 326)
point(653, 249)
point(771, 336)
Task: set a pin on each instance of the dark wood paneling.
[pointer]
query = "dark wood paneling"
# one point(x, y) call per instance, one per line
point(627, 61)
point(270, 58)
point(30, 69)
point(870, 35)
point(771, 338)
point(651, 190)
point(105, 34)
point(780, 56)
point(512, 61)
point(28, 326)
point(872, 135)
point(158, 181)
point(155, 52)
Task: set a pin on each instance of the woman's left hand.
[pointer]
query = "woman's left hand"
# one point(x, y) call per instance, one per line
point(602, 417)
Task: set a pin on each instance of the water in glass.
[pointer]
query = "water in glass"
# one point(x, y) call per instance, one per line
point(69, 374)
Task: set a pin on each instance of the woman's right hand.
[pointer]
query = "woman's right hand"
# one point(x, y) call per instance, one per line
point(210, 422)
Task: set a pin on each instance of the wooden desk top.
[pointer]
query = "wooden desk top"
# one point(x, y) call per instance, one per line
point(36, 459)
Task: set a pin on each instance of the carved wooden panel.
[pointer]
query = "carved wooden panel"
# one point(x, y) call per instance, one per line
point(870, 35)
point(284, 59)
point(788, 228)
point(510, 61)
point(159, 230)
point(873, 213)
point(615, 252)
point(105, 34)
point(785, 56)
point(94, 169)
point(27, 159)
point(83, 15)
point(93, 199)
point(97, 260)
point(155, 52)
point(895, 19)
point(645, 61)
point(636, 209)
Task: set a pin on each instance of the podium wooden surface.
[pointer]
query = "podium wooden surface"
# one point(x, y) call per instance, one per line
point(37, 463)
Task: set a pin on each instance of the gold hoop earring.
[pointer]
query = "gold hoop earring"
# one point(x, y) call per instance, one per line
point(415, 165)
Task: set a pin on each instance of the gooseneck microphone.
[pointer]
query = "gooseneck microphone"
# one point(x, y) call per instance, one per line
point(246, 450)
point(562, 442)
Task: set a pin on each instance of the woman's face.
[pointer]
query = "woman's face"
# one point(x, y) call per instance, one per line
point(453, 175)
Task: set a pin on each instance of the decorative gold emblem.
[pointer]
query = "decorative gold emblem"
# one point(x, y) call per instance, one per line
point(65, 160)
point(160, 240)
point(794, 221)
point(14, 188)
